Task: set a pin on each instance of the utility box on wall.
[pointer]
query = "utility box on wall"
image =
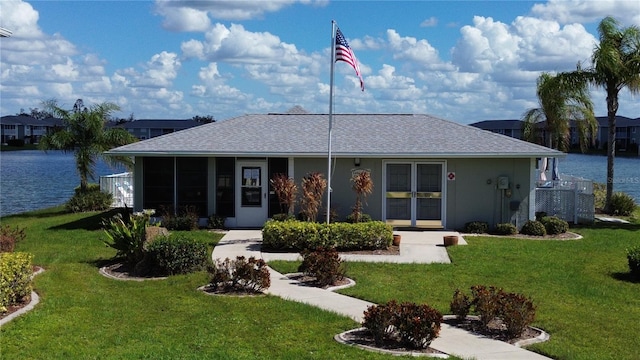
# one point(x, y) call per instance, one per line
point(503, 182)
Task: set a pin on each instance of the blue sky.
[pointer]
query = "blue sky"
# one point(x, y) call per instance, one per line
point(465, 61)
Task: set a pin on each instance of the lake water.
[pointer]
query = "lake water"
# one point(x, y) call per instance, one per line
point(32, 179)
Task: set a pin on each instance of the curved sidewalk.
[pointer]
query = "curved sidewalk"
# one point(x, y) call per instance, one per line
point(416, 247)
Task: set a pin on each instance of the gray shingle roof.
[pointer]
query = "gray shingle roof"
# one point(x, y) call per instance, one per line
point(363, 135)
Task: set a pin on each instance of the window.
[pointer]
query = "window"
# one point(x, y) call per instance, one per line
point(192, 184)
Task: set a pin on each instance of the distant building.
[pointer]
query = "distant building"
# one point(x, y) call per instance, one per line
point(30, 129)
point(512, 128)
point(150, 128)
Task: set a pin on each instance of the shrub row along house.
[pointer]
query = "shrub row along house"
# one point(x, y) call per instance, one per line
point(427, 172)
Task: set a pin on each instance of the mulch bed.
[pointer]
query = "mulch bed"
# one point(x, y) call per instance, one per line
point(122, 271)
point(496, 330)
point(363, 338)
point(306, 280)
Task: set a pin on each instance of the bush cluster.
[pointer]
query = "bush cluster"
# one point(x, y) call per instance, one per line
point(506, 229)
point(185, 220)
point(633, 257)
point(534, 228)
point(127, 235)
point(15, 278)
point(324, 264)
point(168, 255)
point(301, 235)
point(9, 237)
point(241, 274)
point(283, 217)
point(515, 310)
point(91, 199)
point(554, 225)
point(476, 227)
point(414, 325)
point(622, 204)
point(216, 221)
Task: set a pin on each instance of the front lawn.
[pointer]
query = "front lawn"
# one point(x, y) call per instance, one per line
point(83, 315)
point(584, 296)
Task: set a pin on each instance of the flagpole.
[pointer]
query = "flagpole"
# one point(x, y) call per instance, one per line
point(333, 61)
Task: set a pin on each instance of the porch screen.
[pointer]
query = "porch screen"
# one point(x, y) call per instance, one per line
point(158, 181)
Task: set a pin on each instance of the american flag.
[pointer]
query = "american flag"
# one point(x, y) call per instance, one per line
point(344, 53)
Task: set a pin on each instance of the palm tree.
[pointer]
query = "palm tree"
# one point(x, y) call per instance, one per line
point(85, 134)
point(560, 104)
point(615, 66)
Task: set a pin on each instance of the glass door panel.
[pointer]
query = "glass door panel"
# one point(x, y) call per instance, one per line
point(428, 194)
point(251, 187)
point(398, 194)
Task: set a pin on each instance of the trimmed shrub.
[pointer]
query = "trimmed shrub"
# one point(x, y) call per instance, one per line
point(414, 325)
point(216, 221)
point(91, 199)
point(324, 264)
point(9, 237)
point(241, 274)
point(175, 255)
point(476, 227)
point(517, 313)
point(127, 237)
point(506, 229)
point(554, 225)
point(622, 204)
point(418, 325)
point(301, 235)
point(380, 320)
point(15, 278)
point(534, 228)
point(633, 257)
point(460, 305)
point(363, 218)
point(487, 303)
point(599, 195)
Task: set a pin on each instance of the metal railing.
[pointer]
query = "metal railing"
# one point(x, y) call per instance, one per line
point(120, 186)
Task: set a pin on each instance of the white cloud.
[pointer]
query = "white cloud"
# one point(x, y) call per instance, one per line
point(584, 11)
point(430, 22)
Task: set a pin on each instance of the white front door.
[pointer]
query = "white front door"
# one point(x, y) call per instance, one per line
point(414, 194)
point(251, 196)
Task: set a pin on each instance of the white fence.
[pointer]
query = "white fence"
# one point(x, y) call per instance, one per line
point(120, 186)
point(570, 199)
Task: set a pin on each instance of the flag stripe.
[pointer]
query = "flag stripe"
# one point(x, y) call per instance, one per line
point(344, 53)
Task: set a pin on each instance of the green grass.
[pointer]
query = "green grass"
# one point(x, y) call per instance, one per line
point(584, 297)
point(582, 290)
point(83, 315)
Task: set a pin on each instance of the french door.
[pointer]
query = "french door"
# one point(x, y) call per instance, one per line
point(414, 194)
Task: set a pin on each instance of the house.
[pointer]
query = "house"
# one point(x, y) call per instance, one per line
point(627, 133)
point(427, 172)
point(25, 127)
point(149, 128)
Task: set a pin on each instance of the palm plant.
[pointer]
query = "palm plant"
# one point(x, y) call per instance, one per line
point(86, 136)
point(363, 187)
point(615, 66)
point(560, 104)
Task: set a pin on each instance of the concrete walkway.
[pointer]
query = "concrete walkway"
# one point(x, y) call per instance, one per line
point(416, 247)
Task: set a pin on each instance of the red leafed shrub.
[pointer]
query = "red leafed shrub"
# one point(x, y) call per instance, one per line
point(517, 313)
point(380, 320)
point(460, 305)
point(324, 264)
point(487, 302)
point(414, 325)
point(241, 274)
point(9, 237)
